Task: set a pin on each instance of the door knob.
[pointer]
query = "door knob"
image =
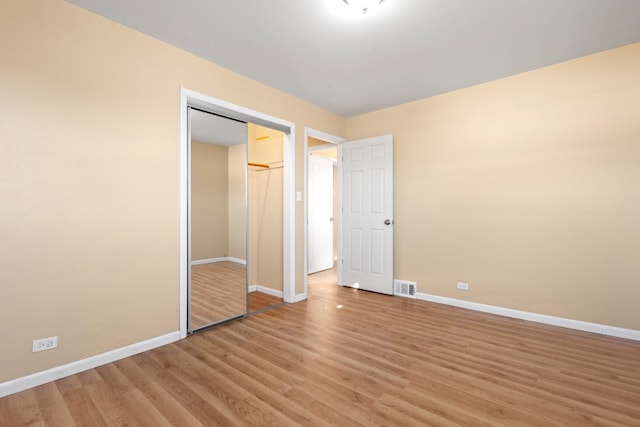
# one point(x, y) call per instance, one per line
point(387, 222)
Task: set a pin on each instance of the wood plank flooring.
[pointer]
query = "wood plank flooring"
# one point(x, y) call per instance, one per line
point(219, 292)
point(353, 358)
point(259, 301)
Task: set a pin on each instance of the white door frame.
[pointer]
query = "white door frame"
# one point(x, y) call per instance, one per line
point(189, 98)
point(336, 140)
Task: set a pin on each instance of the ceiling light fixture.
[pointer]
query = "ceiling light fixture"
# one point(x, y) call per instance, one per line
point(363, 6)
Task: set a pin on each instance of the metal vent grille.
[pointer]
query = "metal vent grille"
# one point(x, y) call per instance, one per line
point(404, 288)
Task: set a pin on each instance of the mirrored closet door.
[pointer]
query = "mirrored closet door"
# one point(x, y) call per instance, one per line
point(217, 219)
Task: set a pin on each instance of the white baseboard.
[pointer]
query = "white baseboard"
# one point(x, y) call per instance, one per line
point(207, 261)
point(579, 325)
point(300, 297)
point(43, 377)
point(221, 259)
point(265, 290)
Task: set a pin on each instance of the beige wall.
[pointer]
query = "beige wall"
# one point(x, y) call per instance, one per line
point(266, 209)
point(526, 188)
point(237, 201)
point(89, 179)
point(209, 201)
point(315, 142)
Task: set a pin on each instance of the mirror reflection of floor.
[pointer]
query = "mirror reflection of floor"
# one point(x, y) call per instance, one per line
point(218, 292)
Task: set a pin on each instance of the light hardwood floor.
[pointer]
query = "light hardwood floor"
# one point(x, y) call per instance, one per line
point(259, 301)
point(347, 357)
point(219, 292)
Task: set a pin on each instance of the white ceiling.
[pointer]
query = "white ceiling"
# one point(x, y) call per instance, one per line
point(406, 50)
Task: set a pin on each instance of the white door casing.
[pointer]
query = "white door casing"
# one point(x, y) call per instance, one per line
point(321, 219)
point(367, 214)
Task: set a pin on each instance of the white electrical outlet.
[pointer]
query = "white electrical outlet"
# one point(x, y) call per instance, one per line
point(464, 286)
point(45, 344)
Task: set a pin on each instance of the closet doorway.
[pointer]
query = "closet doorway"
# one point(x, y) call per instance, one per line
point(265, 207)
point(213, 248)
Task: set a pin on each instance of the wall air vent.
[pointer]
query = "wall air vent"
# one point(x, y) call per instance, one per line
point(404, 288)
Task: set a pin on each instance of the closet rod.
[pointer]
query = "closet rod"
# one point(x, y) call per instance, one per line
point(259, 165)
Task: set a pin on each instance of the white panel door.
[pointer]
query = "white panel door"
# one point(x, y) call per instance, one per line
point(320, 252)
point(367, 214)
